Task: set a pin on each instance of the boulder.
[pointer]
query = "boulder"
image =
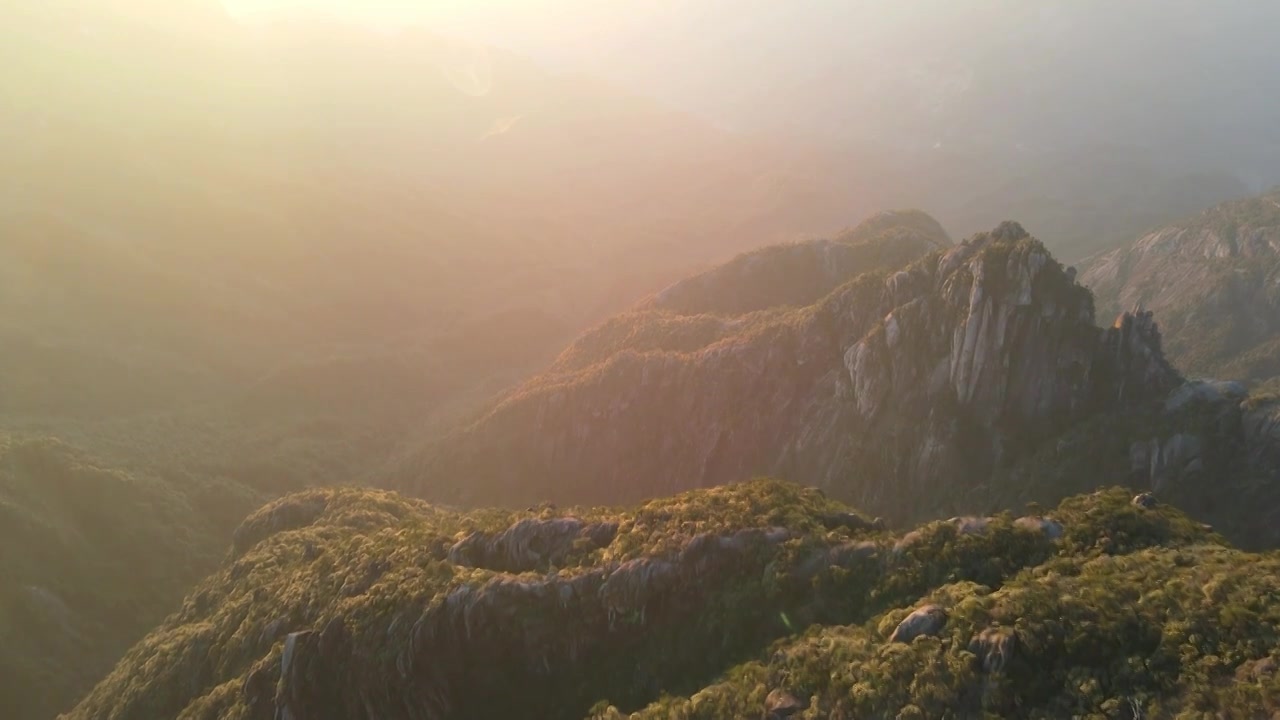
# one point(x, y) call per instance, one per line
point(852, 521)
point(1257, 670)
point(1051, 529)
point(1145, 500)
point(970, 525)
point(780, 705)
point(994, 648)
point(1204, 391)
point(926, 621)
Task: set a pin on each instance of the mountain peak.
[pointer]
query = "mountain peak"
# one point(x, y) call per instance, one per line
point(963, 361)
point(919, 221)
point(1009, 230)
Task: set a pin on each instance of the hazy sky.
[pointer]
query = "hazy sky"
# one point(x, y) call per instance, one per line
point(547, 19)
point(404, 10)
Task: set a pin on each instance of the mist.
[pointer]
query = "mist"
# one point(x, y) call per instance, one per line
point(286, 282)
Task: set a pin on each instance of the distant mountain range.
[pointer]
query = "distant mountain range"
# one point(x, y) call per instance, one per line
point(1213, 280)
point(890, 367)
point(246, 204)
point(247, 229)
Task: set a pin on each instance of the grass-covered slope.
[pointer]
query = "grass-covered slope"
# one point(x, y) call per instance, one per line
point(711, 604)
point(91, 558)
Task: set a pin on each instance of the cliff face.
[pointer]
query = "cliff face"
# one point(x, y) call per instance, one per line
point(1212, 281)
point(919, 383)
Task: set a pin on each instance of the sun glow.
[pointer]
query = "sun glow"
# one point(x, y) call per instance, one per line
point(406, 12)
point(515, 24)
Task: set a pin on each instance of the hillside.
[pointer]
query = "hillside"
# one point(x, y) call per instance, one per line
point(92, 557)
point(1212, 280)
point(750, 600)
point(809, 392)
point(974, 376)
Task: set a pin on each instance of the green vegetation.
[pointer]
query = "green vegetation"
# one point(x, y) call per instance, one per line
point(701, 605)
point(91, 558)
point(1185, 632)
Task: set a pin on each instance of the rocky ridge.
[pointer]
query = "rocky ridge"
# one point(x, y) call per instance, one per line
point(899, 391)
point(379, 607)
point(755, 288)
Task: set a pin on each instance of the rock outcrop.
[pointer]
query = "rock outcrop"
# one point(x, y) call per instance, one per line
point(531, 544)
point(780, 705)
point(925, 379)
point(994, 648)
point(927, 621)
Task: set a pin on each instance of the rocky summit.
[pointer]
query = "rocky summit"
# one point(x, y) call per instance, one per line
point(757, 600)
point(902, 391)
